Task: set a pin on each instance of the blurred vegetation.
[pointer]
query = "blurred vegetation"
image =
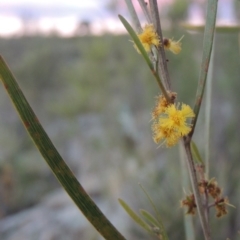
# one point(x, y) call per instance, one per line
point(178, 11)
point(85, 81)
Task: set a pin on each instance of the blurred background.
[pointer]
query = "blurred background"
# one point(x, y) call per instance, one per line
point(94, 94)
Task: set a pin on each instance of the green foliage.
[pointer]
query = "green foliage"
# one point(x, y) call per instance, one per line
point(134, 216)
point(178, 10)
point(149, 217)
point(196, 153)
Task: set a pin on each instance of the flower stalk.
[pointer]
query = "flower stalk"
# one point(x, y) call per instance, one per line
point(162, 61)
point(194, 182)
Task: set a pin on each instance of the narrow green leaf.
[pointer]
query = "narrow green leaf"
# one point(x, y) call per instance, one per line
point(134, 216)
point(196, 153)
point(149, 217)
point(209, 31)
point(136, 41)
point(60, 169)
point(160, 223)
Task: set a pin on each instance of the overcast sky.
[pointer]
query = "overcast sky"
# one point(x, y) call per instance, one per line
point(61, 16)
point(87, 3)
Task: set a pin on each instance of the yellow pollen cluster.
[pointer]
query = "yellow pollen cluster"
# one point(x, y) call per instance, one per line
point(148, 37)
point(161, 105)
point(173, 46)
point(171, 123)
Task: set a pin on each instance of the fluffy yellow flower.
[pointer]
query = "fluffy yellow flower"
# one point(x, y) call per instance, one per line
point(148, 37)
point(169, 136)
point(172, 124)
point(173, 46)
point(176, 119)
point(162, 104)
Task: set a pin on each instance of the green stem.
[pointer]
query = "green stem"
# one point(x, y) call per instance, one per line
point(188, 220)
point(207, 49)
point(53, 158)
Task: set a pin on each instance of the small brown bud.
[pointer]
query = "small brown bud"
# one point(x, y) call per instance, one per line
point(189, 202)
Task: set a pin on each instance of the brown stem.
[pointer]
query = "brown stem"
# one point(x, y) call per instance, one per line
point(193, 177)
point(163, 69)
point(201, 174)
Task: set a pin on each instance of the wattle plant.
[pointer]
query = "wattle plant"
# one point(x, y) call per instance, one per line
point(172, 122)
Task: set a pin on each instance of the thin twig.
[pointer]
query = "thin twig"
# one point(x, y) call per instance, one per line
point(211, 205)
point(163, 70)
point(145, 10)
point(188, 220)
point(194, 182)
point(202, 178)
point(206, 208)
